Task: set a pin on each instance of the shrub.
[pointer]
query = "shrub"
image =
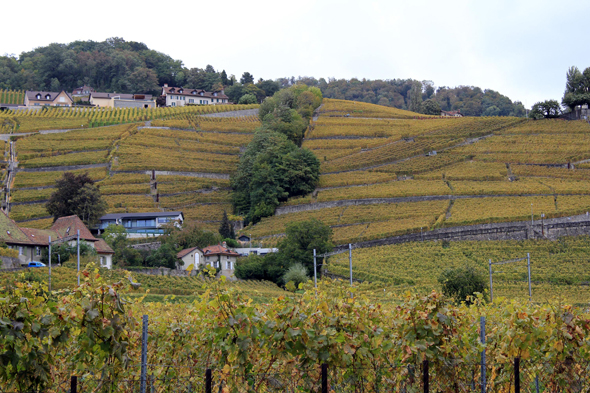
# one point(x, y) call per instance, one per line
point(462, 283)
point(297, 274)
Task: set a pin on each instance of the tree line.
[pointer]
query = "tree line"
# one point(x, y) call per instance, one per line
point(416, 96)
point(118, 65)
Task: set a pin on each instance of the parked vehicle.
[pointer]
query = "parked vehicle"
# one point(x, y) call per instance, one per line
point(36, 264)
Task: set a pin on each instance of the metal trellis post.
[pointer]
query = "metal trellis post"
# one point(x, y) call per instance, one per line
point(49, 283)
point(528, 262)
point(491, 283)
point(482, 334)
point(315, 273)
point(350, 264)
point(78, 241)
point(144, 339)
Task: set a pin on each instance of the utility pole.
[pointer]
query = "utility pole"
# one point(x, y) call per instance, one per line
point(350, 264)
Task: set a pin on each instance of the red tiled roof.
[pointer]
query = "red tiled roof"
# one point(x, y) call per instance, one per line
point(41, 236)
point(185, 252)
point(68, 226)
point(102, 247)
point(219, 250)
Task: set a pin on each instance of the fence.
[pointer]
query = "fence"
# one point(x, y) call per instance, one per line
point(452, 376)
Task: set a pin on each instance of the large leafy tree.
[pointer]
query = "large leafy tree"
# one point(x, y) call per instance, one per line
point(546, 109)
point(577, 88)
point(271, 170)
point(77, 195)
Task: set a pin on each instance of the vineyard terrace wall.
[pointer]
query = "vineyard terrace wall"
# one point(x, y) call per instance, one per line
point(549, 229)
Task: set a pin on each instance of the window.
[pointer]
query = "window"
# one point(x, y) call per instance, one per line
point(191, 101)
point(47, 97)
point(173, 103)
point(62, 99)
point(20, 250)
point(37, 251)
point(38, 96)
point(228, 265)
point(102, 261)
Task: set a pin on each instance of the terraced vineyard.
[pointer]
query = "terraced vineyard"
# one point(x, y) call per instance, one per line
point(559, 269)
point(192, 166)
point(48, 118)
point(492, 169)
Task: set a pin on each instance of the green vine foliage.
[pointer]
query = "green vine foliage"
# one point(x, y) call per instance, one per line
point(93, 332)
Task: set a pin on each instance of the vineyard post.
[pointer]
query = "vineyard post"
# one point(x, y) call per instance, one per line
point(74, 384)
point(425, 376)
point(516, 375)
point(208, 381)
point(528, 264)
point(144, 338)
point(78, 241)
point(49, 263)
point(324, 378)
point(482, 337)
point(491, 284)
point(350, 264)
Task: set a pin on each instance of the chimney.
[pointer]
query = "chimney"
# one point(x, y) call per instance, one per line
point(222, 91)
point(224, 244)
point(165, 84)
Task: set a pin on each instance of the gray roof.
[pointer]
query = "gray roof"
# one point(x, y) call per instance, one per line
point(122, 96)
point(116, 216)
point(32, 95)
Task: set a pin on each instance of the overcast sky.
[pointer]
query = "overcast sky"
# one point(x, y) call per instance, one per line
point(520, 48)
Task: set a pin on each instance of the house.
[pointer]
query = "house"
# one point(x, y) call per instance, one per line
point(31, 241)
point(142, 224)
point(47, 98)
point(219, 256)
point(190, 256)
point(83, 91)
point(451, 114)
point(178, 96)
point(244, 252)
point(119, 100)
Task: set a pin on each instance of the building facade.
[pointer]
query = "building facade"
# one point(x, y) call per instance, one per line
point(118, 100)
point(30, 242)
point(178, 96)
point(47, 98)
point(142, 224)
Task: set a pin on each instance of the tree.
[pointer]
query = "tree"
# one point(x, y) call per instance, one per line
point(462, 282)
point(430, 107)
point(246, 78)
point(165, 256)
point(247, 99)
point(577, 88)
point(296, 275)
point(224, 80)
point(226, 229)
point(191, 235)
point(76, 195)
point(300, 241)
point(545, 109)
point(415, 97)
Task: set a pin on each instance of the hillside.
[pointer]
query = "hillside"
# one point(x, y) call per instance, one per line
point(380, 176)
point(192, 156)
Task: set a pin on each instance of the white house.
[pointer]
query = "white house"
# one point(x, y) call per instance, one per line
point(190, 256)
point(142, 224)
point(178, 96)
